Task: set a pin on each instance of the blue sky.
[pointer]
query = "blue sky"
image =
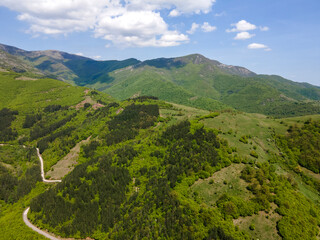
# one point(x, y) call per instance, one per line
point(266, 36)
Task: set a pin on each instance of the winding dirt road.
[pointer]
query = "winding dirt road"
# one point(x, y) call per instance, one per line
point(42, 171)
point(25, 213)
point(34, 228)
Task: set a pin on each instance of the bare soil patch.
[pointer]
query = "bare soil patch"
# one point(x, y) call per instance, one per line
point(310, 173)
point(87, 99)
point(24, 78)
point(66, 164)
point(265, 224)
point(119, 111)
point(97, 105)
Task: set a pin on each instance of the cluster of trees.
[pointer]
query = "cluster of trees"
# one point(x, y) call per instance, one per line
point(143, 98)
point(88, 197)
point(43, 143)
point(30, 120)
point(125, 155)
point(103, 111)
point(13, 188)
point(300, 217)
point(302, 145)
point(235, 206)
point(7, 116)
point(126, 125)
point(52, 108)
point(189, 153)
point(41, 129)
point(88, 150)
point(291, 109)
point(157, 213)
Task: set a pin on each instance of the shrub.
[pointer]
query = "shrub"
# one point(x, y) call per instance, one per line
point(254, 154)
point(252, 227)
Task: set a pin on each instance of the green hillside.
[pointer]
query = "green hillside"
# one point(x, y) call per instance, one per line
point(144, 168)
point(148, 83)
point(206, 80)
point(192, 80)
point(30, 93)
point(71, 68)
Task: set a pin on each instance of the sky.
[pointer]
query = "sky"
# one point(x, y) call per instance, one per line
point(279, 37)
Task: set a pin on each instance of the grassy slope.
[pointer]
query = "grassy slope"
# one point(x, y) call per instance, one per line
point(29, 95)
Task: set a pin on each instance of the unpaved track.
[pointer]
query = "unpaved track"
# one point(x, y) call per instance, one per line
point(25, 213)
point(34, 228)
point(42, 171)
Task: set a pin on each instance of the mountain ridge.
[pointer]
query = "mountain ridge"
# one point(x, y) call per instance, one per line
point(191, 80)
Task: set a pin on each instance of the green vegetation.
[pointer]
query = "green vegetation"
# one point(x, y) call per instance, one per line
point(123, 208)
point(191, 80)
point(30, 96)
point(6, 118)
point(150, 169)
point(301, 144)
point(19, 172)
point(204, 84)
point(12, 225)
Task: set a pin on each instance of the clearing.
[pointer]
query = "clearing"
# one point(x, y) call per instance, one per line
point(66, 164)
point(227, 180)
point(265, 224)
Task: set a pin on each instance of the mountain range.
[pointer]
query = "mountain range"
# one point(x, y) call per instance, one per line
point(192, 80)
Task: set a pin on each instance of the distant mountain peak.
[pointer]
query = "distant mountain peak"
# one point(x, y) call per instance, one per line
point(197, 58)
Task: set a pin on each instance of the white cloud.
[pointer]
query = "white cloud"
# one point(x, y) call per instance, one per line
point(259, 46)
point(243, 36)
point(242, 26)
point(193, 28)
point(79, 54)
point(206, 27)
point(264, 29)
point(57, 16)
point(121, 22)
point(174, 13)
point(220, 14)
point(139, 29)
point(185, 6)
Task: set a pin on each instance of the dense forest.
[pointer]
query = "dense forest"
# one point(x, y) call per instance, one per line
point(302, 144)
point(7, 116)
point(13, 186)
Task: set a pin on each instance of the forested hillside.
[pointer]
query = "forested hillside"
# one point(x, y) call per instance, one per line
point(302, 144)
point(143, 168)
point(197, 81)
